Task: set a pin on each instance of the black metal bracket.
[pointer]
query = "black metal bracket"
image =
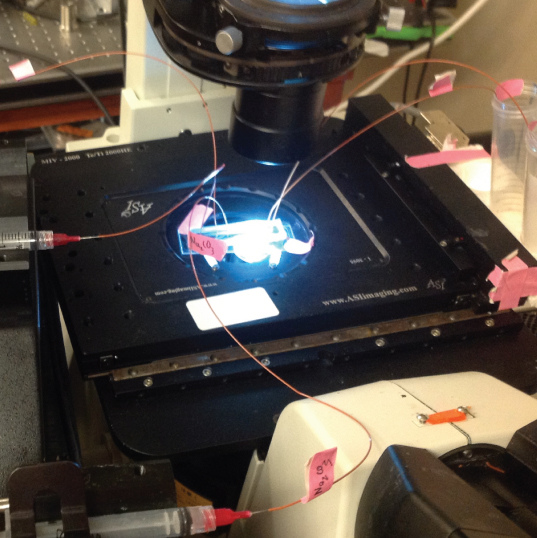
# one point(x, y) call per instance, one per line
point(63, 479)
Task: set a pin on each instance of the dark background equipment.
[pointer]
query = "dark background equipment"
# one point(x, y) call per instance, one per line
point(36, 415)
point(477, 490)
point(64, 491)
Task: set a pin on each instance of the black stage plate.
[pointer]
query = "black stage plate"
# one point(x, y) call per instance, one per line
point(242, 414)
point(107, 288)
point(375, 258)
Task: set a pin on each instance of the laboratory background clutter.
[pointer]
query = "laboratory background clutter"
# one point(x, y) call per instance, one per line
point(268, 268)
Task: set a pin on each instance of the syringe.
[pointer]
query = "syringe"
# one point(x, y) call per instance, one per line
point(163, 523)
point(34, 240)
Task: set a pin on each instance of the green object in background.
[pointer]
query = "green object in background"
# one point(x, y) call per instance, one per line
point(30, 19)
point(407, 33)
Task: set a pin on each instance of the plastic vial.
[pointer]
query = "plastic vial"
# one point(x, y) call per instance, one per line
point(529, 235)
point(166, 523)
point(26, 240)
point(509, 156)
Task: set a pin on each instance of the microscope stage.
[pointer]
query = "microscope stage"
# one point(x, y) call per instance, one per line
point(133, 299)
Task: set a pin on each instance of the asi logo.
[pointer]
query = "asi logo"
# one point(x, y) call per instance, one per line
point(135, 207)
point(439, 284)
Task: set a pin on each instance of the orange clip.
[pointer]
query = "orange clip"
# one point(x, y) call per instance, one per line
point(76, 131)
point(453, 415)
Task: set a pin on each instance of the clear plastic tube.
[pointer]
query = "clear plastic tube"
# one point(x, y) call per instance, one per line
point(529, 236)
point(509, 156)
point(167, 523)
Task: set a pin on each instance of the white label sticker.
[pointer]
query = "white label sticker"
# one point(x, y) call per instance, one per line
point(232, 308)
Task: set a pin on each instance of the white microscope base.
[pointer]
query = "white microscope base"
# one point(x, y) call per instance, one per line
point(388, 409)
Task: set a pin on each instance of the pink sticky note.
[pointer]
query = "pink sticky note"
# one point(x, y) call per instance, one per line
point(294, 246)
point(509, 88)
point(496, 276)
point(443, 83)
point(446, 157)
point(208, 246)
point(195, 218)
point(512, 292)
point(530, 285)
point(517, 282)
point(514, 264)
point(320, 473)
point(22, 70)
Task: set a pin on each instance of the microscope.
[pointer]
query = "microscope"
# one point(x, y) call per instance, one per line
point(278, 54)
point(394, 282)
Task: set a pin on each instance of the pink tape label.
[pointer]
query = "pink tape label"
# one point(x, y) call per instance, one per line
point(443, 83)
point(511, 87)
point(294, 246)
point(195, 219)
point(22, 70)
point(512, 285)
point(446, 157)
point(320, 474)
point(208, 246)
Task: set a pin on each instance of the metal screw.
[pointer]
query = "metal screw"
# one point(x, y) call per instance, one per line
point(443, 243)
point(467, 453)
point(148, 382)
point(228, 40)
point(489, 322)
point(436, 332)
point(414, 325)
point(296, 345)
point(207, 372)
point(336, 338)
point(422, 418)
point(133, 372)
point(380, 342)
point(375, 330)
point(265, 361)
point(255, 352)
point(174, 365)
point(465, 410)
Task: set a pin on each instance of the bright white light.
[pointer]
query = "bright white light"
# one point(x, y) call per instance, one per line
point(275, 257)
point(252, 241)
